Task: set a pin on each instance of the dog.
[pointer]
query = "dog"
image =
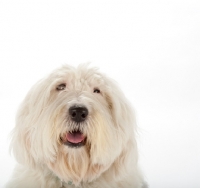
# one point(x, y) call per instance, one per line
point(75, 129)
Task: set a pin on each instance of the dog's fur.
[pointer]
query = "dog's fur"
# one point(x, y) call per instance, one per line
point(109, 157)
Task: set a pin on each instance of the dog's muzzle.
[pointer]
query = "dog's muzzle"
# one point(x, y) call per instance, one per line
point(76, 138)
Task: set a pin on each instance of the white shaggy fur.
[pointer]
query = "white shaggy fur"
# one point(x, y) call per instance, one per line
point(109, 157)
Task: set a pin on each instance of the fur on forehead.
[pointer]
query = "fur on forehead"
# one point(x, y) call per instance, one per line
point(78, 78)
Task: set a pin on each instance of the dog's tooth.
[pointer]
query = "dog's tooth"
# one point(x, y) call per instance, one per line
point(74, 127)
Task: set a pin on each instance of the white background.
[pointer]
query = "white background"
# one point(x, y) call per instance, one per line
point(152, 48)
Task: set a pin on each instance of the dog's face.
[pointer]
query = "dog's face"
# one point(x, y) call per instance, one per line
point(76, 122)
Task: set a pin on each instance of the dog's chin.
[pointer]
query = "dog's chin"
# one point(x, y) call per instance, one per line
point(74, 139)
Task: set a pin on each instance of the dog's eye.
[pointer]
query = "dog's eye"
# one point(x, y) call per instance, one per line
point(97, 90)
point(61, 87)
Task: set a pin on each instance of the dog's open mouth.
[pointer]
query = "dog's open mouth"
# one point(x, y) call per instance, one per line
point(74, 139)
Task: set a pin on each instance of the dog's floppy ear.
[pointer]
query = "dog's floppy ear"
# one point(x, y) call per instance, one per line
point(20, 137)
point(124, 118)
point(122, 112)
point(24, 134)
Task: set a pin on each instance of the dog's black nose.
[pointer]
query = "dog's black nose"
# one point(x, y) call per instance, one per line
point(78, 114)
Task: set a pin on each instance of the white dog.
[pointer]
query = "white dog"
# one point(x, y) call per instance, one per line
point(75, 129)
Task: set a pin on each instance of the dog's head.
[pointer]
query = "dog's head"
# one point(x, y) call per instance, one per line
point(76, 122)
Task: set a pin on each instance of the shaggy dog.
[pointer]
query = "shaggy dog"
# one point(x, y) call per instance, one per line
point(75, 129)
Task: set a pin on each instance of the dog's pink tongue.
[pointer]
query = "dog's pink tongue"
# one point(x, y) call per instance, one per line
point(75, 137)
